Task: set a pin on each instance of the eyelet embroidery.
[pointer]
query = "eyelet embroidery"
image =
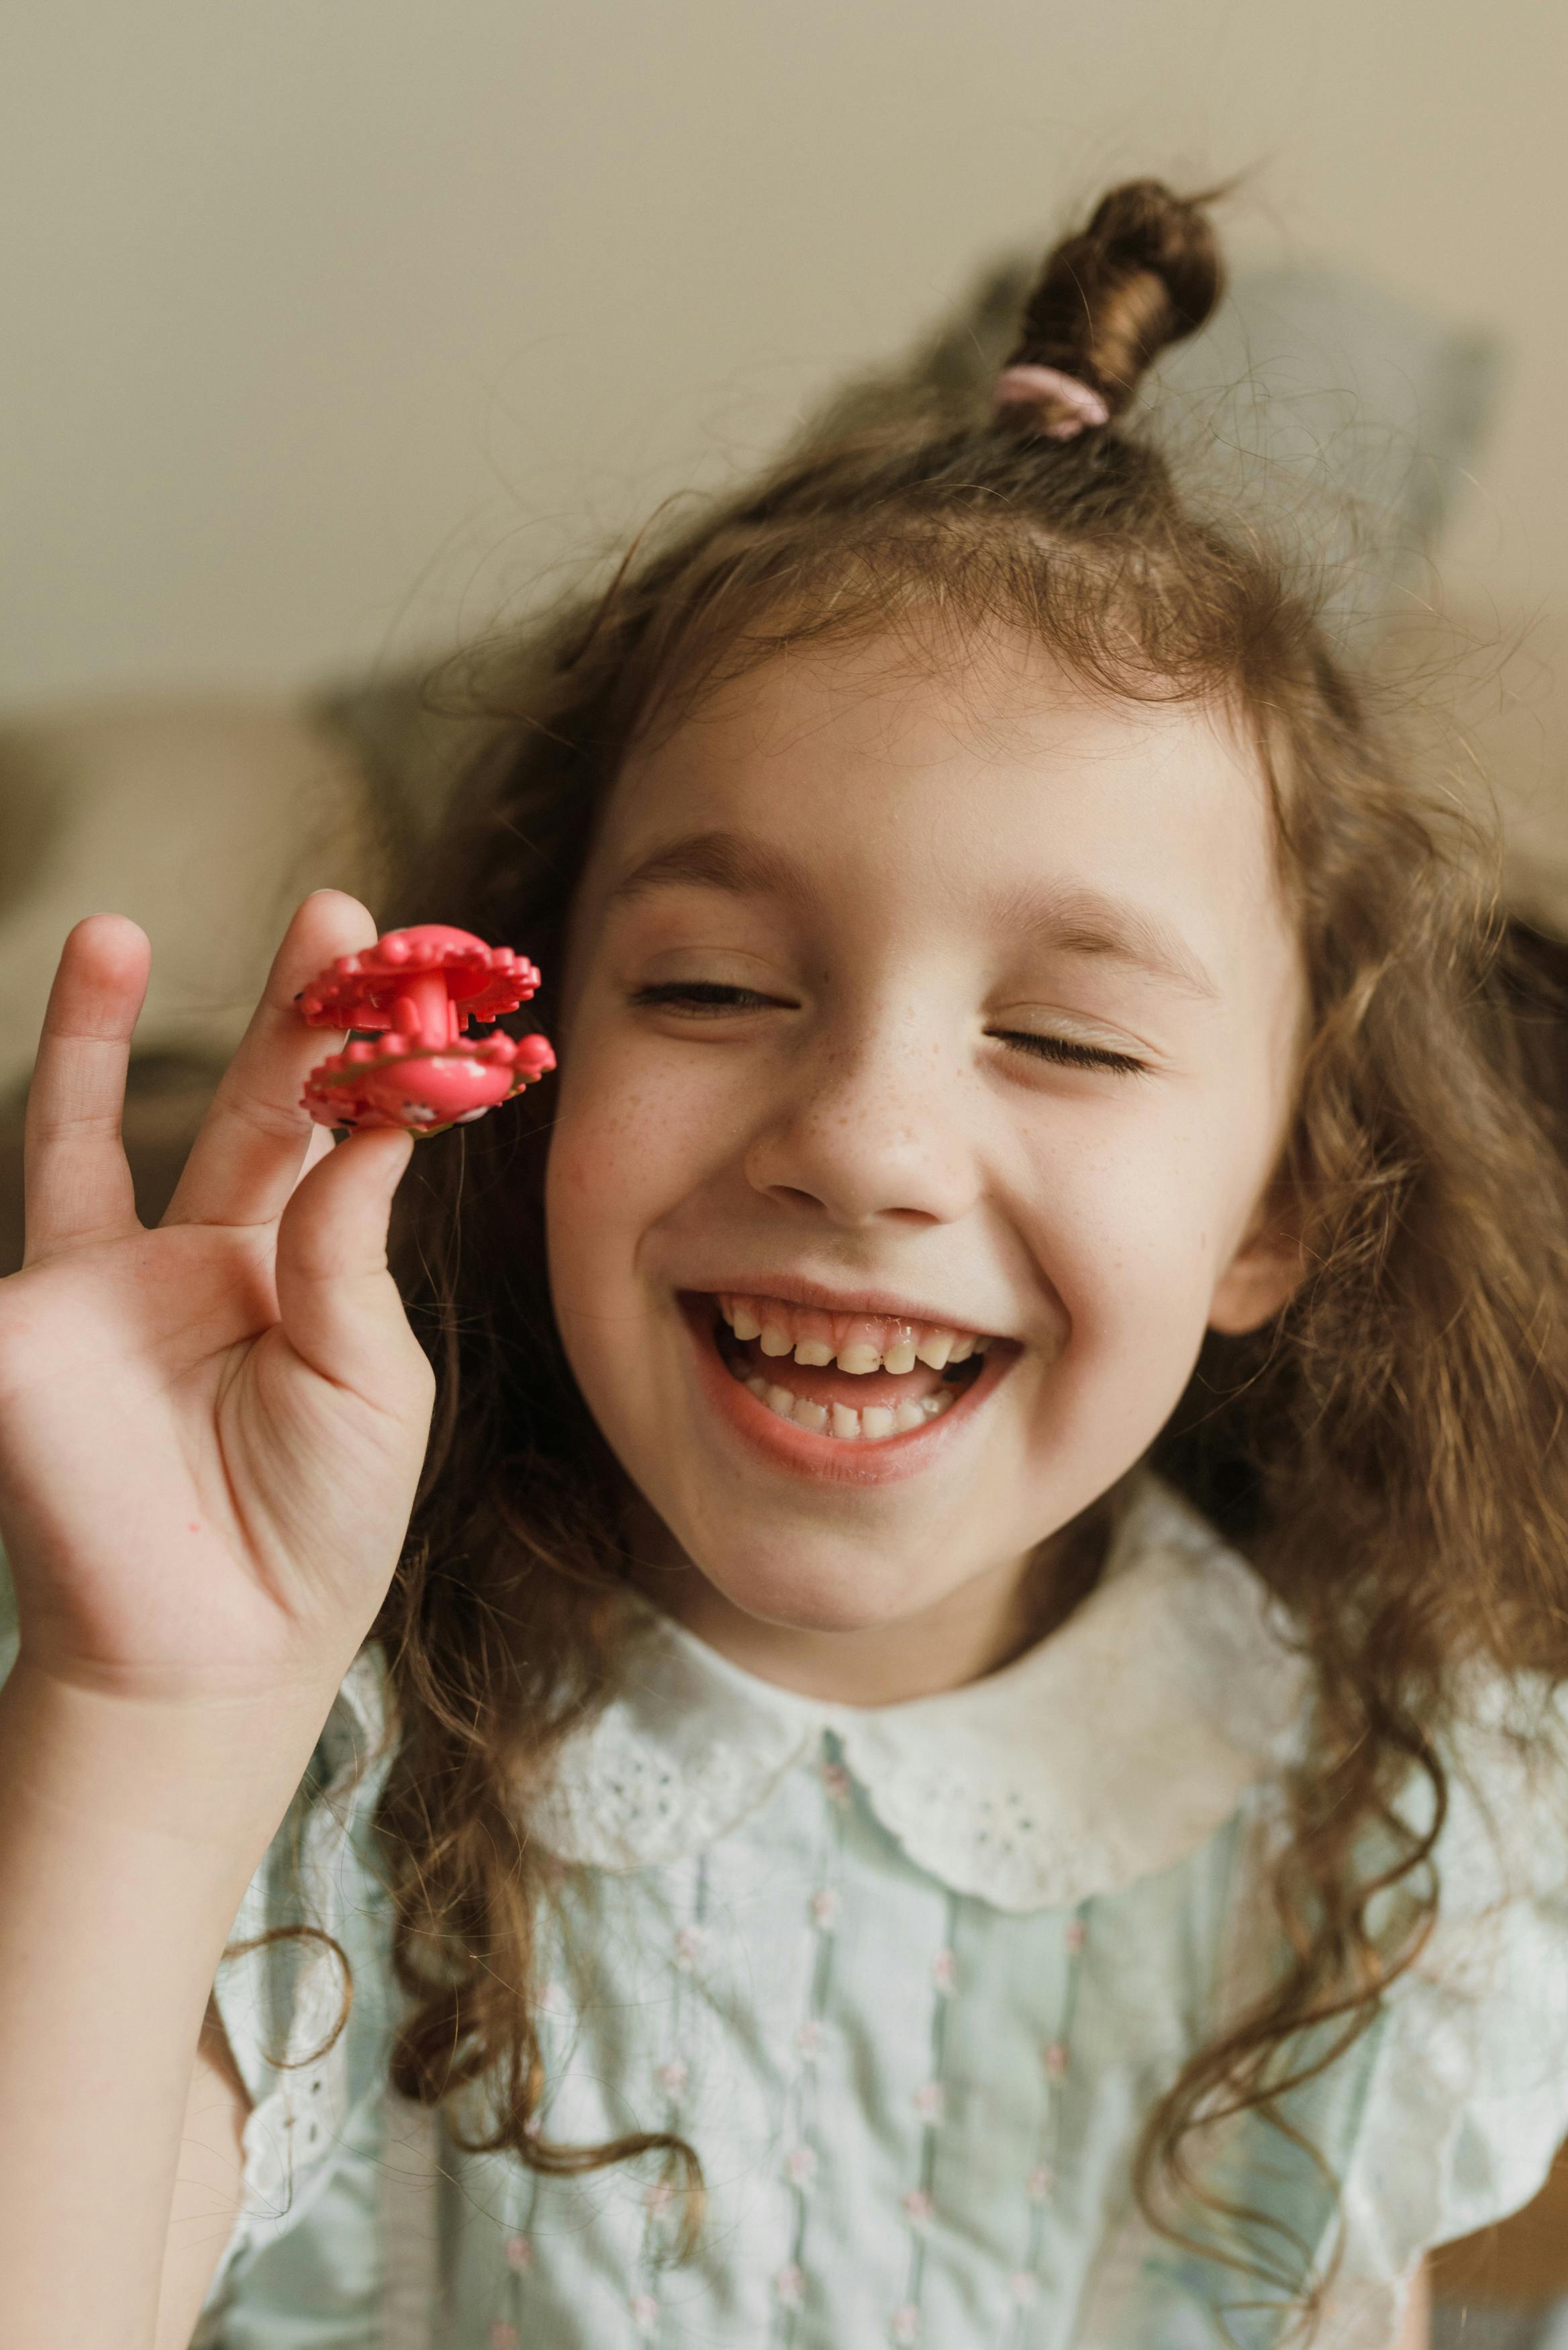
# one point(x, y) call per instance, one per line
point(1026, 1833)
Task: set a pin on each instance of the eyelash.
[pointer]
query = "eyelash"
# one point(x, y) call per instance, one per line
point(707, 996)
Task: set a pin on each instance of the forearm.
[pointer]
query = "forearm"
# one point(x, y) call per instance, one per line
point(127, 1835)
point(1418, 2329)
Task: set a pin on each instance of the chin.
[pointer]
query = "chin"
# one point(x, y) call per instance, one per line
point(817, 1589)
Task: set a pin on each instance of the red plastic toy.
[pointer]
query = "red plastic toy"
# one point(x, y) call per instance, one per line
point(419, 989)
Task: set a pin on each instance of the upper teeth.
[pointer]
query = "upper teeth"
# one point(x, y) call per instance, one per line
point(906, 1345)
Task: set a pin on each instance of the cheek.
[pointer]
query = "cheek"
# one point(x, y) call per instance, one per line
point(1126, 1233)
point(631, 1141)
point(1131, 1231)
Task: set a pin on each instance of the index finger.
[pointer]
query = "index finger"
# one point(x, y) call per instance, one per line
point(248, 1155)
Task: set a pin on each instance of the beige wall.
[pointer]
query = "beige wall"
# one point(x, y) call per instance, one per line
point(331, 324)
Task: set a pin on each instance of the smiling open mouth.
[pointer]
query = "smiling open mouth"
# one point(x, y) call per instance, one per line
point(858, 1378)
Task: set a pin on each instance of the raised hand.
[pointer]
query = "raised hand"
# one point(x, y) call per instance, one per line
point(211, 1432)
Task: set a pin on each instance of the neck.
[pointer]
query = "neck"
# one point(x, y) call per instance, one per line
point(967, 1634)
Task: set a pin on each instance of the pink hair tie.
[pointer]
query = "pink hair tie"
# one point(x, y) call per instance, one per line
point(1019, 385)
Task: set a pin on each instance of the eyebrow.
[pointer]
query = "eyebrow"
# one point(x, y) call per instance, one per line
point(1069, 916)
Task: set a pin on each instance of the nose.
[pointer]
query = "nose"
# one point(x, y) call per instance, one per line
point(869, 1128)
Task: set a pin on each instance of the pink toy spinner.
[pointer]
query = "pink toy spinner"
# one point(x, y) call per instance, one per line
point(419, 989)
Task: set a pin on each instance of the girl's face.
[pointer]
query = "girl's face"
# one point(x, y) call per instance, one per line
point(927, 1050)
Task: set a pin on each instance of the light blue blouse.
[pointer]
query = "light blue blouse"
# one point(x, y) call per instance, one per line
point(908, 1980)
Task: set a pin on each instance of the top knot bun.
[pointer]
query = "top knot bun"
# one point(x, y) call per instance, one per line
point(1146, 272)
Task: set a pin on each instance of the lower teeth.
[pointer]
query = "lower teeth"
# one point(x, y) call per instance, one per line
point(872, 1424)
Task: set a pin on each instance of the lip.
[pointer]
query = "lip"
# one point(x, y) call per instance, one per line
point(827, 1459)
point(791, 1289)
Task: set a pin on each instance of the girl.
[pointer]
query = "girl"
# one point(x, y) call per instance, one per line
point(959, 1747)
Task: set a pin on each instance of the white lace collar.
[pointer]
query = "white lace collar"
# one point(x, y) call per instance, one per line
point(1111, 1749)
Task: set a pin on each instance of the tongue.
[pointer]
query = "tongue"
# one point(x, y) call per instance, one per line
point(825, 1383)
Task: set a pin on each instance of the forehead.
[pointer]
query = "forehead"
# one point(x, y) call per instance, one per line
point(881, 776)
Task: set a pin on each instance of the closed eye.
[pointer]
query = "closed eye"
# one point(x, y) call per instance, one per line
point(1069, 1054)
point(702, 997)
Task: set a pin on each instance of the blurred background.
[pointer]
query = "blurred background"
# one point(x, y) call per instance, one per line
point(339, 335)
point(330, 328)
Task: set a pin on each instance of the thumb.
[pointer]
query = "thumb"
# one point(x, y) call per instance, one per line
point(337, 1302)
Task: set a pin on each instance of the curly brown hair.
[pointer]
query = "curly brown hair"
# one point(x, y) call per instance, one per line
point(1386, 1449)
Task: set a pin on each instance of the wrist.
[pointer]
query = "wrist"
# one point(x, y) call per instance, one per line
point(214, 1777)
